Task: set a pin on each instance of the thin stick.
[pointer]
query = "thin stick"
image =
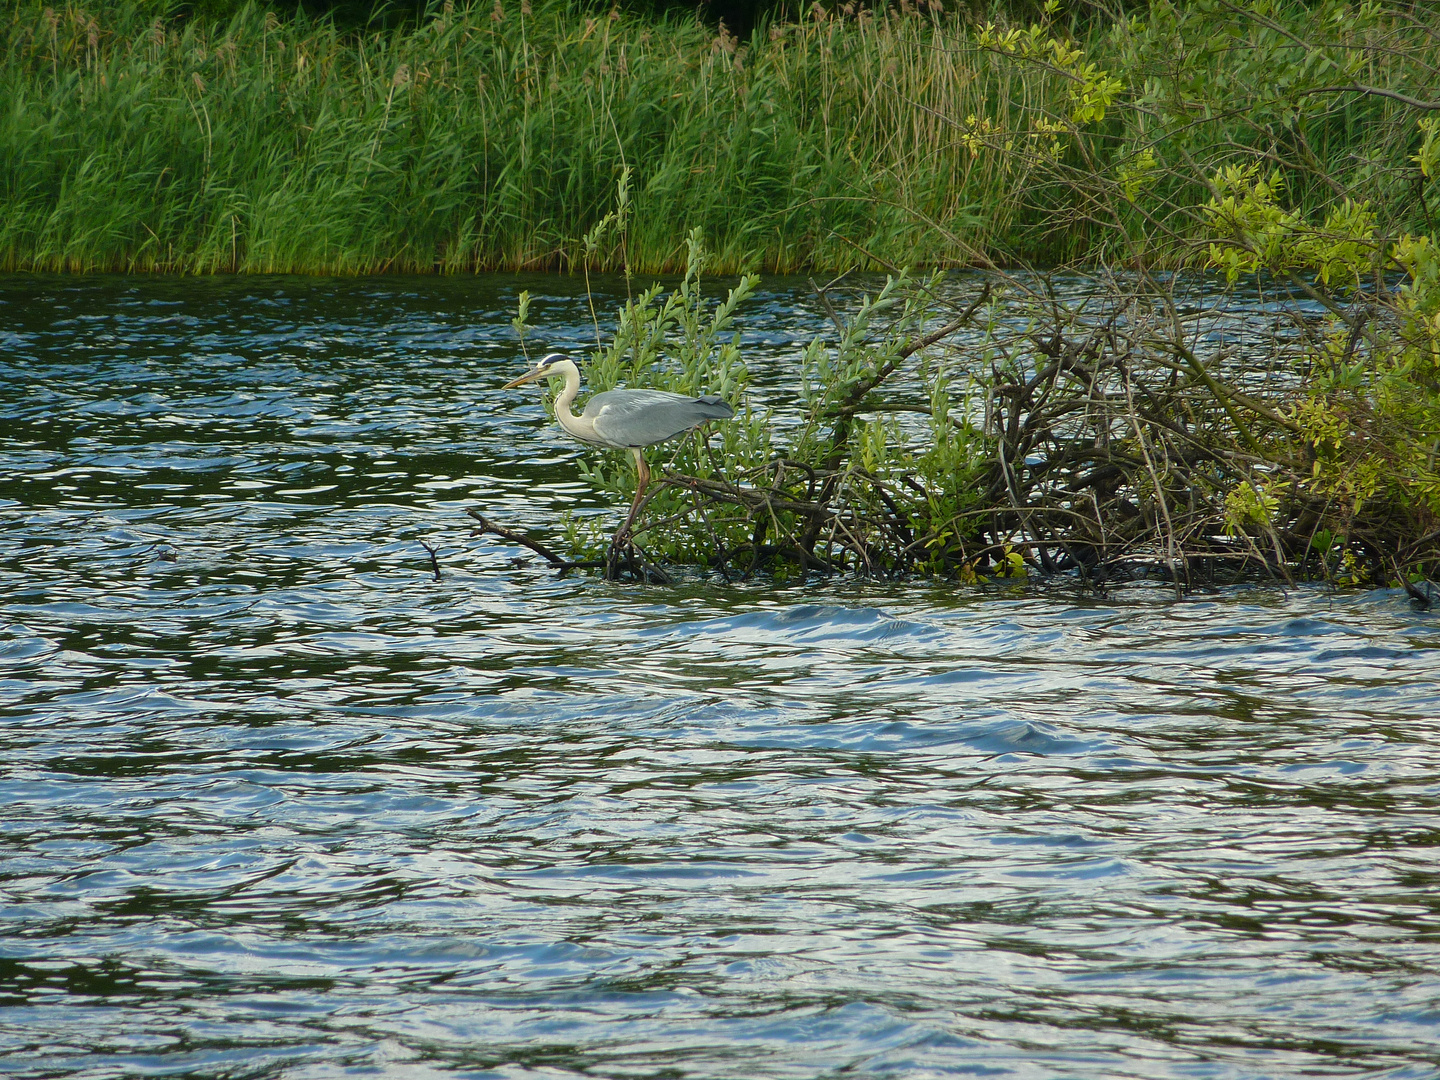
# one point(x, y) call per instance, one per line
point(434, 562)
point(488, 526)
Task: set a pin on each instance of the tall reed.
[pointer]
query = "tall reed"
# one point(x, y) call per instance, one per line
point(493, 134)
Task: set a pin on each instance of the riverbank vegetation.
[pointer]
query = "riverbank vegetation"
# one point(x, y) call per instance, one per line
point(1115, 426)
point(491, 134)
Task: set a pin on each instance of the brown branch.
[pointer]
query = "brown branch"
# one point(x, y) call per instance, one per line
point(1373, 91)
point(853, 400)
point(488, 526)
point(434, 561)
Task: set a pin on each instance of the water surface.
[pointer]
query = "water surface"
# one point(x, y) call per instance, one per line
point(277, 803)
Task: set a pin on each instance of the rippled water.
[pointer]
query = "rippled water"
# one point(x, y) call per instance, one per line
point(277, 803)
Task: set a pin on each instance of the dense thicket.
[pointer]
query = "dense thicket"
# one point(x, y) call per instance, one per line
point(739, 16)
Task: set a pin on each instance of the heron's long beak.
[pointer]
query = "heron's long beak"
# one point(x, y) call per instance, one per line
point(539, 373)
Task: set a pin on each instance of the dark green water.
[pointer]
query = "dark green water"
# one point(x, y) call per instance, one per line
point(278, 804)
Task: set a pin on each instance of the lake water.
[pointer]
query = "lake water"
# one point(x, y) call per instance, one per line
point(277, 803)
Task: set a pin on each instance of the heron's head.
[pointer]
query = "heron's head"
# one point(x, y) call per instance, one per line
point(543, 367)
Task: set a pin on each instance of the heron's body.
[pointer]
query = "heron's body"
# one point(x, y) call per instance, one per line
point(625, 419)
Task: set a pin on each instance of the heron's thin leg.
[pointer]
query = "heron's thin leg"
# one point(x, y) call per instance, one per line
point(622, 535)
point(642, 478)
point(642, 481)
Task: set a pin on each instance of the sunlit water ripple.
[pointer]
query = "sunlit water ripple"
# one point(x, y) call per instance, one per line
point(279, 804)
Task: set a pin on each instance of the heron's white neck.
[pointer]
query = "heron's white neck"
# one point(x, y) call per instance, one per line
point(568, 420)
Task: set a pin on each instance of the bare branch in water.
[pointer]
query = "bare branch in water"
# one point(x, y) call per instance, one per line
point(559, 563)
point(434, 560)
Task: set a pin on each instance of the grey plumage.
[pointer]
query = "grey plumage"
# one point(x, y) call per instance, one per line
point(627, 418)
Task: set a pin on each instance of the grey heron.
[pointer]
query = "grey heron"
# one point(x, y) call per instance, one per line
point(625, 419)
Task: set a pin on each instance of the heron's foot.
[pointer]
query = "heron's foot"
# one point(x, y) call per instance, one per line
point(621, 542)
point(633, 563)
point(625, 555)
point(622, 550)
point(617, 557)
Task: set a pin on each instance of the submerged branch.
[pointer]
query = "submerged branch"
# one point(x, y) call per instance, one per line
point(557, 561)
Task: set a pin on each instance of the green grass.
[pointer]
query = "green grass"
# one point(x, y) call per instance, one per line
point(493, 136)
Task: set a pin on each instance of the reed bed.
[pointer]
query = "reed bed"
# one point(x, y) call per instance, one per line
point(492, 135)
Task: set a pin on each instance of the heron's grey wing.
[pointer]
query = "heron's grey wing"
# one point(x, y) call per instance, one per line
point(644, 417)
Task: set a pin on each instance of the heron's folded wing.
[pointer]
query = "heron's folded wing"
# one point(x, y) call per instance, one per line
point(643, 417)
